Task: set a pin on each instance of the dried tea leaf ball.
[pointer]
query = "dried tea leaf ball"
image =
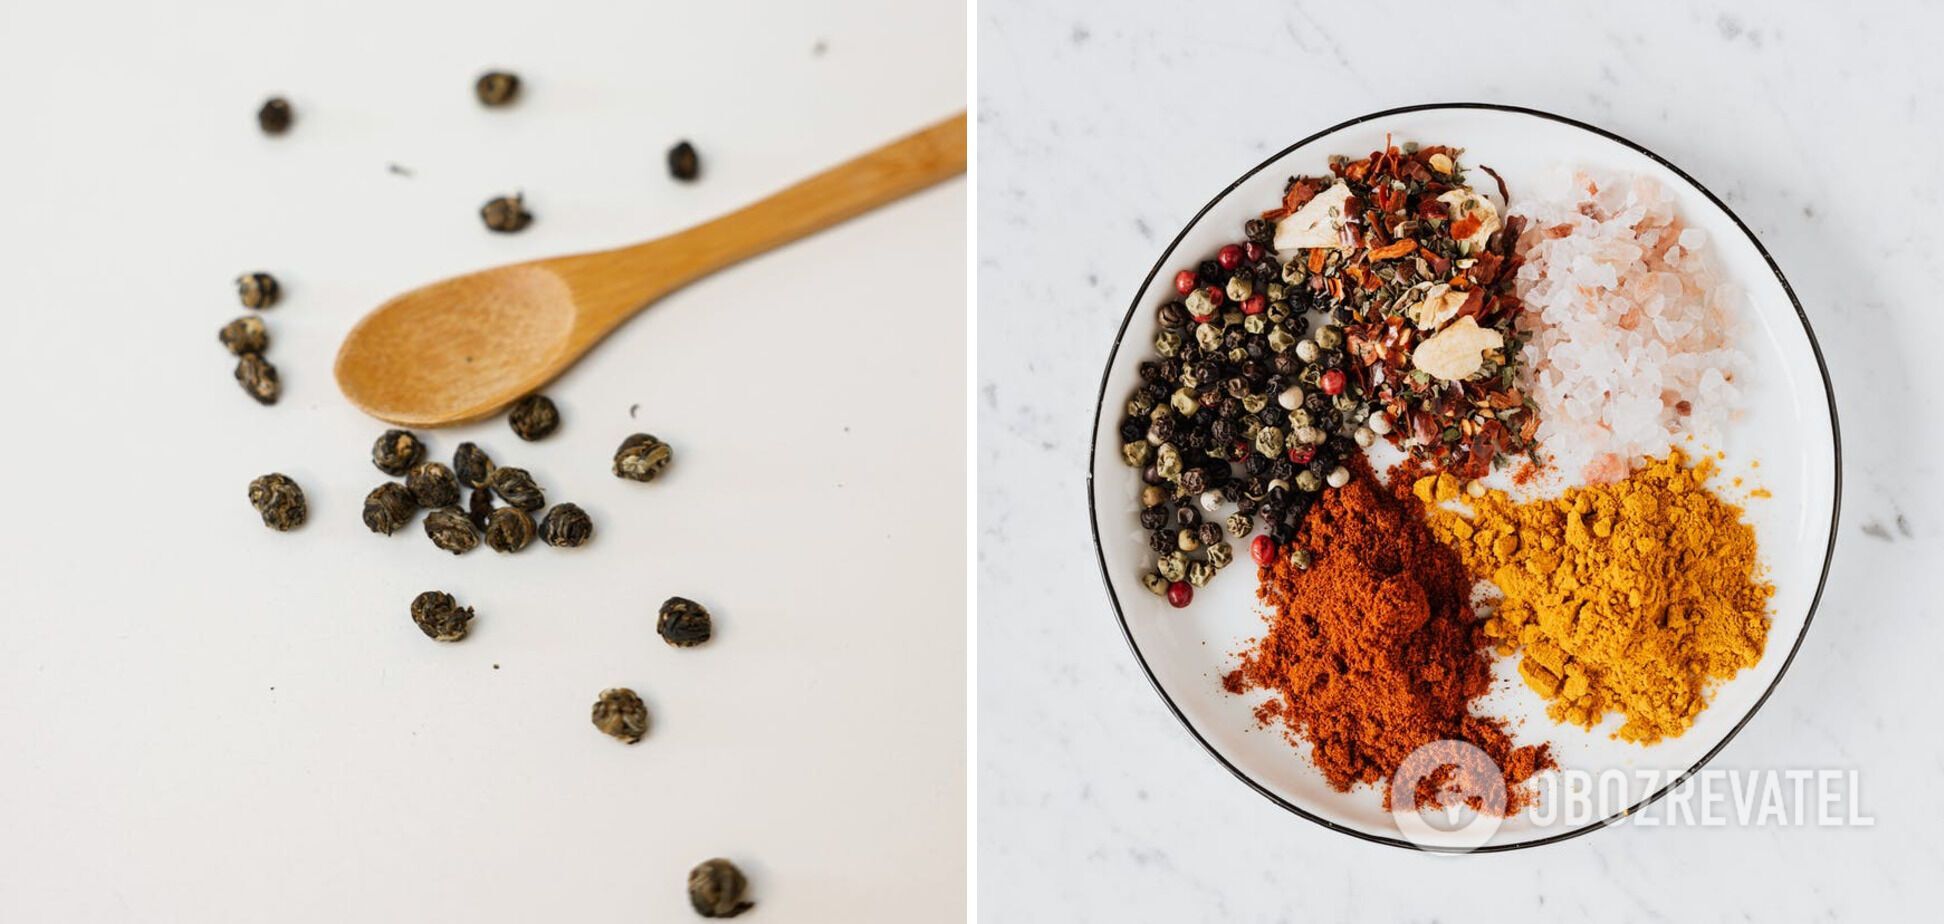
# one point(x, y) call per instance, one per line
point(275, 116)
point(682, 162)
point(508, 529)
point(396, 451)
point(497, 88)
point(534, 417)
point(258, 378)
point(245, 335)
point(684, 623)
point(450, 529)
point(716, 889)
point(433, 485)
point(566, 527)
point(641, 457)
point(480, 507)
point(440, 617)
point(280, 501)
point(388, 508)
point(621, 714)
point(516, 487)
point(473, 466)
point(257, 290)
point(506, 214)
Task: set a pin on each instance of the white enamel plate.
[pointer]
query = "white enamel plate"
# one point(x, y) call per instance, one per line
point(1786, 442)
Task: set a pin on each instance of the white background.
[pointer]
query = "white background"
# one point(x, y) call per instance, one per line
point(1102, 133)
point(203, 720)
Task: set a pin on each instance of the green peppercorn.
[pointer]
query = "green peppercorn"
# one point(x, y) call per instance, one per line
point(1300, 558)
point(1155, 583)
point(1135, 454)
point(1239, 525)
point(1187, 540)
point(1173, 566)
point(1220, 554)
point(1307, 480)
point(1329, 337)
point(279, 501)
point(1200, 573)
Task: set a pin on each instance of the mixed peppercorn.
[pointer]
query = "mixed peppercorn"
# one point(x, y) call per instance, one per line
point(1373, 303)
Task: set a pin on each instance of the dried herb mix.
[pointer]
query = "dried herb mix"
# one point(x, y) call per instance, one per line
point(257, 290)
point(441, 617)
point(566, 526)
point(280, 501)
point(641, 458)
point(716, 889)
point(683, 163)
point(433, 485)
point(621, 714)
point(388, 508)
point(258, 378)
point(684, 623)
point(396, 451)
point(505, 214)
point(275, 116)
point(516, 487)
point(497, 88)
point(534, 417)
point(472, 465)
point(450, 529)
point(509, 529)
point(245, 335)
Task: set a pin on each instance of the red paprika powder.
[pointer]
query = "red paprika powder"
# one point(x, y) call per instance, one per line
point(1374, 649)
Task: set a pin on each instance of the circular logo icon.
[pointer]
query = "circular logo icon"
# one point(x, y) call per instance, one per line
point(1449, 796)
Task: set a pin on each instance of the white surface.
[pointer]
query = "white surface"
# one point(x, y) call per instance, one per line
point(202, 720)
point(1785, 430)
point(1101, 134)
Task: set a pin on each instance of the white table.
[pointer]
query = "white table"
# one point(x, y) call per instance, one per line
point(202, 720)
point(1102, 133)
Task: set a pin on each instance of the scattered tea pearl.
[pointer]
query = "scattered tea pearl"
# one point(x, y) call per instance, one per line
point(683, 164)
point(275, 116)
point(497, 88)
point(505, 214)
point(1339, 477)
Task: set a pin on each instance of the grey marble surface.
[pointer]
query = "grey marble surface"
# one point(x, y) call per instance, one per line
point(1102, 129)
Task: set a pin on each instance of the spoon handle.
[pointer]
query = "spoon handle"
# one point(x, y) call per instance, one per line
point(660, 266)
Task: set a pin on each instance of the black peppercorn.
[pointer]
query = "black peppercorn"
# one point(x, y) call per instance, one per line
point(508, 529)
point(472, 465)
point(396, 451)
point(1149, 370)
point(506, 214)
point(1194, 480)
point(258, 378)
point(1172, 315)
point(1282, 468)
point(450, 529)
point(516, 487)
point(683, 163)
point(1161, 430)
point(641, 458)
point(257, 290)
point(275, 116)
point(1259, 230)
point(1211, 273)
point(683, 623)
point(1210, 533)
point(279, 501)
point(534, 417)
point(496, 88)
point(433, 485)
point(1132, 429)
point(245, 335)
point(1162, 540)
point(441, 617)
point(566, 526)
point(388, 508)
point(1187, 515)
point(1154, 517)
point(1152, 475)
point(716, 889)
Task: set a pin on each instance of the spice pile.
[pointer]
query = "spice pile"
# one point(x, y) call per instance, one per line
point(1373, 650)
point(1634, 597)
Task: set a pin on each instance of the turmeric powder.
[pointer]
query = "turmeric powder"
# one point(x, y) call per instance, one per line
point(1633, 597)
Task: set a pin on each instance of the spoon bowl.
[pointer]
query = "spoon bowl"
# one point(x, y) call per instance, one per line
point(463, 348)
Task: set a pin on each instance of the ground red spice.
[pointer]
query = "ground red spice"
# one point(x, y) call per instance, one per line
point(1374, 650)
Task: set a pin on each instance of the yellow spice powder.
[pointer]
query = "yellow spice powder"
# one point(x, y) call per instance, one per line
point(1631, 597)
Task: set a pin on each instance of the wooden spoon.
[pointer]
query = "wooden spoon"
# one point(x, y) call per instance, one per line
point(461, 349)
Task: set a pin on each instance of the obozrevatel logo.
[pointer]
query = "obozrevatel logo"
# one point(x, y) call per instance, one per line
point(1448, 795)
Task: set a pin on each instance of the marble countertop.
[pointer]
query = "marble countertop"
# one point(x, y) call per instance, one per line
point(1101, 133)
